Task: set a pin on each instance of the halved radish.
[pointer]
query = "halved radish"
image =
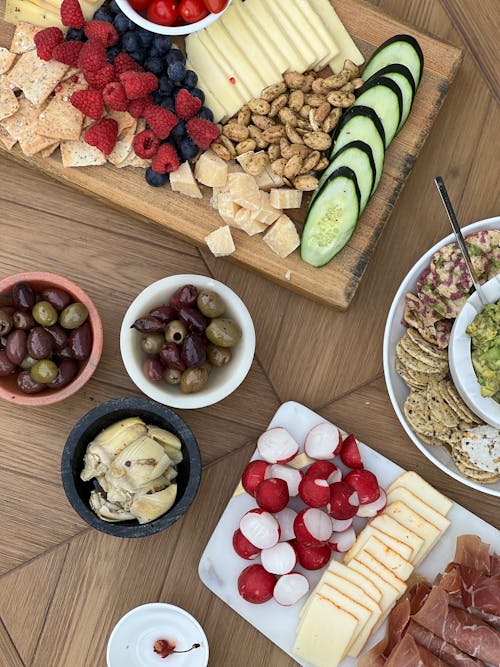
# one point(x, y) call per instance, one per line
point(260, 528)
point(272, 495)
point(285, 518)
point(342, 541)
point(253, 475)
point(280, 559)
point(344, 501)
point(372, 509)
point(290, 588)
point(291, 476)
point(243, 547)
point(314, 492)
point(256, 585)
point(277, 446)
point(312, 527)
point(365, 483)
point(321, 469)
point(312, 558)
point(323, 441)
point(350, 453)
point(340, 525)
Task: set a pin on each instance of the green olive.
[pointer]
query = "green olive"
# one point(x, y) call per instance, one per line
point(223, 332)
point(175, 332)
point(44, 313)
point(210, 303)
point(73, 316)
point(44, 371)
point(152, 343)
point(172, 376)
point(218, 356)
point(193, 380)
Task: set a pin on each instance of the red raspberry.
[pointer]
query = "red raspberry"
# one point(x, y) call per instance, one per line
point(101, 78)
point(124, 63)
point(45, 40)
point(103, 31)
point(92, 56)
point(186, 105)
point(202, 132)
point(114, 96)
point(166, 159)
point(146, 144)
point(102, 135)
point(71, 14)
point(161, 121)
point(136, 107)
point(67, 52)
point(88, 102)
point(138, 84)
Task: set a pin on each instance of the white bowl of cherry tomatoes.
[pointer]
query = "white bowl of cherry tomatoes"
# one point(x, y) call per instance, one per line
point(173, 17)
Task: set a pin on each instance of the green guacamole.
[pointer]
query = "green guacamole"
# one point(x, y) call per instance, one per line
point(485, 334)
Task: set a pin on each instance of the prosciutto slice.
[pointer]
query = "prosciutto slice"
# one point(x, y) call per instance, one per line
point(475, 592)
point(494, 565)
point(441, 648)
point(472, 552)
point(409, 654)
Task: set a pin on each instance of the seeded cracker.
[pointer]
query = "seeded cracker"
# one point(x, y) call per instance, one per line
point(7, 140)
point(413, 363)
point(416, 352)
point(47, 152)
point(23, 39)
point(36, 78)
point(429, 348)
point(80, 154)
point(410, 381)
point(9, 103)
point(122, 147)
point(133, 160)
point(60, 119)
point(440, 411)
point(418, 414)
point(6, 60)
point(124, 120)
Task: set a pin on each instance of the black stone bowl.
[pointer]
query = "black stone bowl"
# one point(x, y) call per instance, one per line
point(78, 492)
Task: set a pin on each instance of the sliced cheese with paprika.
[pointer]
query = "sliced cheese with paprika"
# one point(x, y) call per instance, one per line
point(417, 485)
point(400, 512)
point(390, 526)
point(421, 507)
point(403, 549)
point(391, 592)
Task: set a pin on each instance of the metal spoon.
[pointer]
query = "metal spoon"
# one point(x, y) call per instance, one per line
point(460, 239)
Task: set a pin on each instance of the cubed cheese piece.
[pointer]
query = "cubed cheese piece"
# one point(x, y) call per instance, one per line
point(244, 159)
point(401, 567)
point(266, 213)
point(233, 167)
point(427, 531)
point(211, 170)
point(389, 526)
point(244, 190)
point(282, 20)
point(286, 198)
point(220, 242)
point(397, 545)
point(183, 181)
point(417, 485)
point(227, 208)
point(315, 32)
point(246, 221)
point(390, 592)
point(421, 507)
point(347, 48)
point(282, 238)
point(266, 180)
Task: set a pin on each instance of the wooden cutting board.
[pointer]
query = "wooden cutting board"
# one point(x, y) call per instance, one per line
point(192, 219)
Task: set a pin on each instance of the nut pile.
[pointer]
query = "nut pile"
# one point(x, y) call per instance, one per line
point(290, 125)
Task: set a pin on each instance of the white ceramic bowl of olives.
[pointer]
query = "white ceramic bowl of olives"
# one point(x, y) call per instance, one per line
point(187, 341)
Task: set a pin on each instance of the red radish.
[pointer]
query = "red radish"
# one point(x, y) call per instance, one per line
point(243, 547)
point(280, 559)
point(260, 528)
point(365, 483)
point(350, 453)
point(321, 469)
point(285, 518)
point(277, 446)
point(339, 525)
point(314, 492)
point(372, 509)
point(323, 442)
point(291, 476)
point(256, 585)
point(342, 541)
point(272, 495)
point(290, 589)
point(312, 527)
point(344, 501)
point(253, 475)
point(312, 558)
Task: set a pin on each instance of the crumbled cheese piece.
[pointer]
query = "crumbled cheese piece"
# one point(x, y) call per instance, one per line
point(227, 208)
point(220, 242)
point(211, 170)
point(282, 238)
point(244, 190)
point(245, 220)
point(183, 181)
point(286, 198)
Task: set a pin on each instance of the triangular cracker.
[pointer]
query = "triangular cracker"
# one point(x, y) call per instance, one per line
point(36, 78)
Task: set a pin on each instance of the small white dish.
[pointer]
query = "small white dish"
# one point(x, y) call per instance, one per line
point(222, 381)
point(132, 640)
point(459, 355)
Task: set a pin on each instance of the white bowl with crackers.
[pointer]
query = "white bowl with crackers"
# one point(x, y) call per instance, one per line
point(427, 403)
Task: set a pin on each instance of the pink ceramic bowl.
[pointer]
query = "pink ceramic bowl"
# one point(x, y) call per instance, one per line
point(9, 391)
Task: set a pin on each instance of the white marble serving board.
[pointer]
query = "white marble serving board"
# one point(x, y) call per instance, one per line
point(220, 566)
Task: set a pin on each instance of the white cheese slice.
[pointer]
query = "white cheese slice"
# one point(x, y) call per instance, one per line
point(421, 507)
point(22, 10)
point(400, 547)
point(401, 567)
point(316, 32)
point(216, 107)
point(347, 48)
point(417, 485)
point(369, 587)
point(415, 522)
point(389, 526)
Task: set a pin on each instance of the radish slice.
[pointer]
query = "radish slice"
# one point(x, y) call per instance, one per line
point(290, 589)
point(253, 475)
point(280, 559)
point(335, 477)
point(312, 558)
point(339, 525)
point(291, 476)
point(323, 442)
point(342, 541)
point(256, 585)
point(272, 495)
point(321, 469)
point(277, 446)
point(243, 547)
point(312, 527)
point(314, 492)
point(350, 453)
point(260, 528)
point(365, 483)
point(372, 509)
point(285, 518)
point(344, 501)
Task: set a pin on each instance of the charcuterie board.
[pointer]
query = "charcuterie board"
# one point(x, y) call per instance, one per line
point(336, 283)
point(276, 622)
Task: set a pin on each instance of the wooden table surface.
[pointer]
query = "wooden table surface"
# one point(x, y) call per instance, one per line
point(63, 586)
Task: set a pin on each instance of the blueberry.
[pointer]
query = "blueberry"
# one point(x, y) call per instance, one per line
point(197, 92)
point(138, 56)
point(131, 41)
point(179, 130)
point(112, 52)
point(190, 79)
point(187, 149)
point(157, 96)
point(205, 113)
point(165, 86)
point(146, 37)
point(168, 103)
point(113, 7)
point(155, 179)
point(103, 15)
point(176, 70)
point(154, 65)
point(75, 34)
point(163, 44)
point(122, 23)
point(174, 56)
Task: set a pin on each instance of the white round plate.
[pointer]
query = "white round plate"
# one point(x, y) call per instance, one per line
point(396, 387)
point(133, 637)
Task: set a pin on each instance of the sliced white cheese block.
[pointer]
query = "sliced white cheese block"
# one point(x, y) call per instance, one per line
point(300, 21)
point(347, 48)
point(22, 10)
point(400, 547)
point(369, 587)
point(389, 526)
point(401, 567)
point(283, 20)
point(415, 522)
point(216, 106)
point(421, 507)
point(315, 30)
point(381, 568)
point(417, 485)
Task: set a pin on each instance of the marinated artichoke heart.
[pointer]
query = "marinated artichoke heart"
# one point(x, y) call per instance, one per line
point(139, 463)
point(107, 511)
point(151, 506)
point(170, 442)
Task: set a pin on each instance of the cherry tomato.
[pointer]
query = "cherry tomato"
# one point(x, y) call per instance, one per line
point(139, 5)
point(192, 10)
point(163, 12)
point(215, 6)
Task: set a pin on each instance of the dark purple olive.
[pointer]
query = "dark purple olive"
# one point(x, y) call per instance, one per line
point(3, 342)
point(164, 313)
point(16, 346)
point(26, 383)
point(80, 342)
point(148, 325)
point(153, 368)
point(193, 354)
point(6, 365)
point(65, 353)
point(6, 322)
point(59, 336)
point(40, 343)
point(193, 319)
point(170, 356)
point(183, 297)
point(66, 373)
point(23, 296)
point(23, 320)
point(56, 297)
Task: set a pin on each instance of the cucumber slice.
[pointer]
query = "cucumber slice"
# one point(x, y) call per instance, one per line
point(358, 156)
point(384, 97)
point(402, 76)
point(401, 49)
point(332, 218)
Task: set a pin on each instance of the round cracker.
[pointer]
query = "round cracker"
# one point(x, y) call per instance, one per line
point(417, 413)
point(403, 373)
point(428, 348)
point(438, 408)
point(417, 364)
point(459, 403)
